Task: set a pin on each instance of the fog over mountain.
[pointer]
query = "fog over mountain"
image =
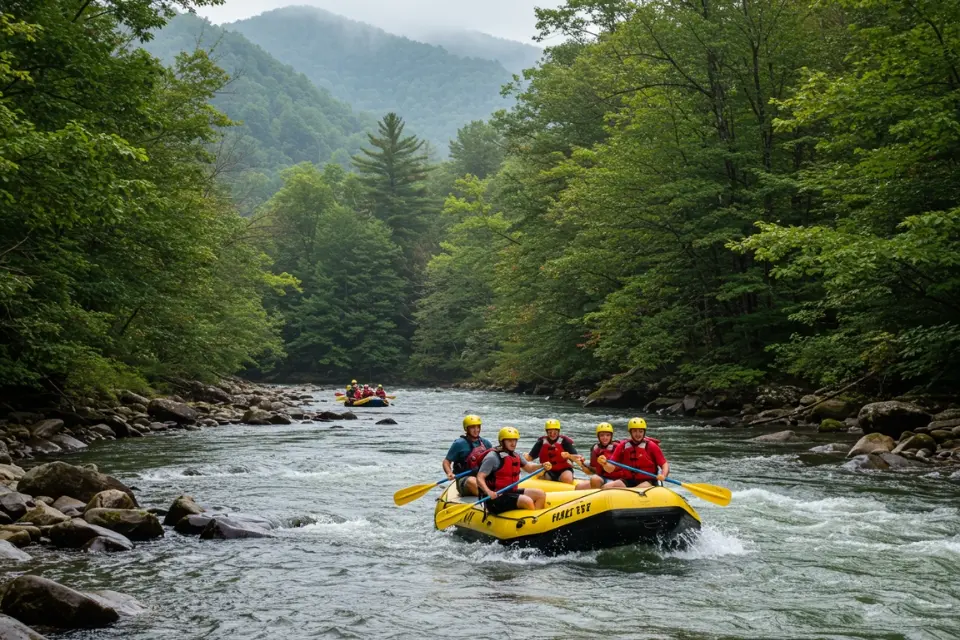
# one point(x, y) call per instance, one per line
point(513, 19)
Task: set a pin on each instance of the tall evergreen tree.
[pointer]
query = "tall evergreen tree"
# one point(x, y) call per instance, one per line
point(393, 171)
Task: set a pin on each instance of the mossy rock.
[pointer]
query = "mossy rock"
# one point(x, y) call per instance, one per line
point(829, 425)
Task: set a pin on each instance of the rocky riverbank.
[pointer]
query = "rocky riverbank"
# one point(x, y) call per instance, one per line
point(78, 509)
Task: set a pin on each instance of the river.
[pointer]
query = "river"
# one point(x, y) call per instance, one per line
point(805, 550)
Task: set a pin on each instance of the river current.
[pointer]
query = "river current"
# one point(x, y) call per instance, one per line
point(805, 549)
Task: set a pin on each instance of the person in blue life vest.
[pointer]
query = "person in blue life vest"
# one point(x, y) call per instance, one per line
point(459, 456)
point(640, 452)
point(500, 468)
point(550, 448)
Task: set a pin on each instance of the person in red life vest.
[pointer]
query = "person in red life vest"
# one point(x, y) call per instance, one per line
point(367, 391)
point(600, 478)
point(639, 452)
point(550, 448)
point(467, 452)
point(380, 392)
point(500, 468)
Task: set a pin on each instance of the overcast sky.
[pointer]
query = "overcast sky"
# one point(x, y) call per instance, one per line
point(512, 19)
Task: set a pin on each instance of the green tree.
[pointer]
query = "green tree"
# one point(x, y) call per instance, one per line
point(344, 320)
point(393, 171)
point(477, 150)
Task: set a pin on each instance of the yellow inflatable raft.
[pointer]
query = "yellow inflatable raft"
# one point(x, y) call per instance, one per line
point(581, 520)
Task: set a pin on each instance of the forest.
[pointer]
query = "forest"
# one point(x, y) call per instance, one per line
point(680, 196)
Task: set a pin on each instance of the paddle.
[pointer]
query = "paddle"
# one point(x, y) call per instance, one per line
point(417, 491)
point(450, 515)
point(708, 492)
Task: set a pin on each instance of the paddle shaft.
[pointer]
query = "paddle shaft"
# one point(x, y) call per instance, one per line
point(458, 476)
point(646, 473)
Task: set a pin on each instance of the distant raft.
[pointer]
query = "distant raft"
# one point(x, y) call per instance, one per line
point(370, 401)
point(581, 520)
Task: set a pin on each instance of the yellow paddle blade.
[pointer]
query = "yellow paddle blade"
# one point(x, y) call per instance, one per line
point(710, 493)
point(341, 399)
point(392, 397)
point(405, 496)
point(451, 515)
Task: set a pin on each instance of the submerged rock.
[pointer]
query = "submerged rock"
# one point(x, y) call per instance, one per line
point(120, 602)
point(102, 544)
point(833, 447)
point(36, 600)
point(387, 421)
point(867, 462)
point(232, 528)
point(779, 436)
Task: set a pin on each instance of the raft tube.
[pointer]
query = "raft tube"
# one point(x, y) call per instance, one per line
point(581, 520)
point(371, 401)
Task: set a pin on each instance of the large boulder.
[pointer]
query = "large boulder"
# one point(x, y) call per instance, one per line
point(183, 506)
point(110, 499)
point(129, 397)
point(872, 443)
point(778, 437)
point(56, 479)
point(231, 529)
point(895, 461)
point(163, 409)
point(16, 538)
point(36, 600)
point(42, 447)
point(75, 533)
point(135, 524)
point(834, 409)
point(13, 629)
point(778, 396)
point(46, 429)
point(891, 418)
point(43, 516)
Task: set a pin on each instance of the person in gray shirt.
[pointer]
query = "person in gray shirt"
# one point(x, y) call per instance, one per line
point(500, 468)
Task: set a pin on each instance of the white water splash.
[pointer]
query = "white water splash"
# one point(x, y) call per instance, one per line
point(711, 543)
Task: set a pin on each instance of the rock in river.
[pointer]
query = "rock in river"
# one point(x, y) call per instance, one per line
point(56, 479)
point(9, 552)
point(42, 516)
point(136, 524)
point(866, 462)
point(36, 600)
point(13, 629)
point(872, 443)
point(76, 533)
point(779, 436)
point(891, 418)
point(183, 506)
point(110, 499)
point(232, 528)
point(163, 409)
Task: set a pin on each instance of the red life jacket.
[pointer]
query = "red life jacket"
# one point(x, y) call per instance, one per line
point(599, 450)
point(550, 452)
point(507, 472)
point(474, 458)
point(367, 393)
point(381, 393)
point(638, 458)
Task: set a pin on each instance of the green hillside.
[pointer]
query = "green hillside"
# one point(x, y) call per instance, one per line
point(286, 119)
point(435, 91)
point(514, 56)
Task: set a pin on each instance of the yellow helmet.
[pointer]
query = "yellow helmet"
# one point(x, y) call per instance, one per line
point(471, 421)
point(379, 386)
point(552, 424)
point(636, 423)
point(508, 433)
point(604, 427)
point(353, 382)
